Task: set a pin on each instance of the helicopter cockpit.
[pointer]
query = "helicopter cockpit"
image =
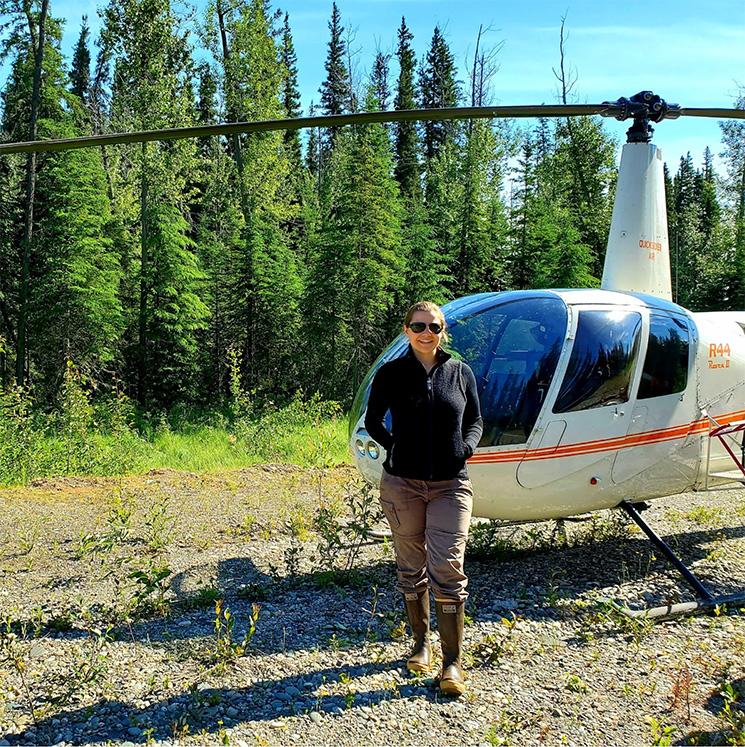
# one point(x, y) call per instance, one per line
point(512, 342)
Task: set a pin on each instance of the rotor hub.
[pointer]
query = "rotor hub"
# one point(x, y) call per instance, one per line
point(644, 107)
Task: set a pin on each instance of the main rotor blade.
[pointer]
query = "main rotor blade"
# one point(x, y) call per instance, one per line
point(607, 109)
point(715, 113)
point(339, 120)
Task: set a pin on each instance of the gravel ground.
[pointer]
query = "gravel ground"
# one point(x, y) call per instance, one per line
point(550, 659)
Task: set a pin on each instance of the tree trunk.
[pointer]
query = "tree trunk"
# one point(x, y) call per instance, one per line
point(144, 285)
point(21, 339)
point(248, 347)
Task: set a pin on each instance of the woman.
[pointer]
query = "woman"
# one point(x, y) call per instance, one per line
point(425, 491)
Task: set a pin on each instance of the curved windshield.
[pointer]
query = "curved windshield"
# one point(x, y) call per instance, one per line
point(512, 343)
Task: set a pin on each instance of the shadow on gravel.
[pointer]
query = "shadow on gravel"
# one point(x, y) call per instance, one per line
point(567, 571)
point(204, 711)
point(728, 703)
point(498, 585)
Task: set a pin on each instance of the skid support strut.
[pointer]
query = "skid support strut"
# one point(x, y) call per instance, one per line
point(706, 600)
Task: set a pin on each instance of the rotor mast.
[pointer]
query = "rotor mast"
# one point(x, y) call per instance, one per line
point(637, 257)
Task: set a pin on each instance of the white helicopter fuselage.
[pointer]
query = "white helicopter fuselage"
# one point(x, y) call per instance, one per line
point(640, 449)
point(579, 460)
point(635, 384)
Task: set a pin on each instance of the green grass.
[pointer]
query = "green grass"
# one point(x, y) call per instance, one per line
point(285, 436)
point(208, 449)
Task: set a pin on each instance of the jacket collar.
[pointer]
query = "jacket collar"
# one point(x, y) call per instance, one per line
point(441, 357)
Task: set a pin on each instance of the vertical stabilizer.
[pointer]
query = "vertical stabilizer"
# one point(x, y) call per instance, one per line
point(638, 256)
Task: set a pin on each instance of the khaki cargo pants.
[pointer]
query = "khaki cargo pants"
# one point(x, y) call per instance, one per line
point(429, 520)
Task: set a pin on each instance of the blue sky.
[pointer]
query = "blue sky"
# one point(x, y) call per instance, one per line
point(690, 52)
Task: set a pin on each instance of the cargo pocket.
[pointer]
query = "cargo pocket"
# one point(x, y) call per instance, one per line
point(389, 509)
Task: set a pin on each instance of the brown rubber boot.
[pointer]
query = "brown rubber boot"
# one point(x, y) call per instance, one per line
point(417, 610)
point(450, 624)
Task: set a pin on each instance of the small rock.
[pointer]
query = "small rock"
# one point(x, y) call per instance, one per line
point(232, 712)
point(134, 731)
point(315, 717)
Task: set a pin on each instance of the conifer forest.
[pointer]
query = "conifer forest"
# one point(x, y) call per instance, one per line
point(151, 266)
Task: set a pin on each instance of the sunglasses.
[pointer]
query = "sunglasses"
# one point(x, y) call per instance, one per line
point(418, 327)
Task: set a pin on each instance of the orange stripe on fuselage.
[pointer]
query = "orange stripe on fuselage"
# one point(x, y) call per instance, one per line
point(606, 444)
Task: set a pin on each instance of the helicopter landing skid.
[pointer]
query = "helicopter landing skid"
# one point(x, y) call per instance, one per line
point(706, 600)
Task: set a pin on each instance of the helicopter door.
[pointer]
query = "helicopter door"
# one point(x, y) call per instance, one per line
point(590, 415)
point(666, 456)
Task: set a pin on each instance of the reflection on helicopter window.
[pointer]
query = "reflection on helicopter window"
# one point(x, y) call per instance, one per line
point(666, 363)
point(513, 349)
point(602, 362)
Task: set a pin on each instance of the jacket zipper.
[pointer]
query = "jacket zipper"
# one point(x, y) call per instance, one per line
point(431, 401)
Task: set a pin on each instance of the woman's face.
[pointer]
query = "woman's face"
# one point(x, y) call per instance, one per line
point(426, 342)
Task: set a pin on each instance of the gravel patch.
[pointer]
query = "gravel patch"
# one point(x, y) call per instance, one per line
point(550, 659)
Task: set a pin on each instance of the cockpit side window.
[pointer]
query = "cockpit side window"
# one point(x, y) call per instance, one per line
point(601, 365)
point(513, 349)
point(666, 363)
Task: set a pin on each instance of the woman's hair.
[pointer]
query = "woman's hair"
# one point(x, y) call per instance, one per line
point(433, 308)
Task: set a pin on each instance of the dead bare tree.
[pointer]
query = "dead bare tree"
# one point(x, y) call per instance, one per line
point(567, 78)
point(482, 70)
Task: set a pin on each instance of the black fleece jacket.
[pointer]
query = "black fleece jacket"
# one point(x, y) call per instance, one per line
point(436, 418)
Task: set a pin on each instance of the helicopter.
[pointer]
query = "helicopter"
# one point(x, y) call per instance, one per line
point(591, 398)
point(598, 398)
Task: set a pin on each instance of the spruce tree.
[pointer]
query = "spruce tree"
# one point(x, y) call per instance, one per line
point(585, 172)
point(264, 285)
point(426, 269)
point(713, 262)
point(439, 90)
point(686, 238)
point(379, 81)
point(336, 91)
point(73, 309)
point(522, 259)
point(165, 311)
point(28, 23)
point(406, 137)
point(733, 140)
point(312, 153)
point(349, 305)
point(80, 73)
point(290, 93)
point(76, 313)
point(482, 225)
point(444, 200)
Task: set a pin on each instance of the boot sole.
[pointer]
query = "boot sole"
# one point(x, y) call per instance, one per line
point(451, 687)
